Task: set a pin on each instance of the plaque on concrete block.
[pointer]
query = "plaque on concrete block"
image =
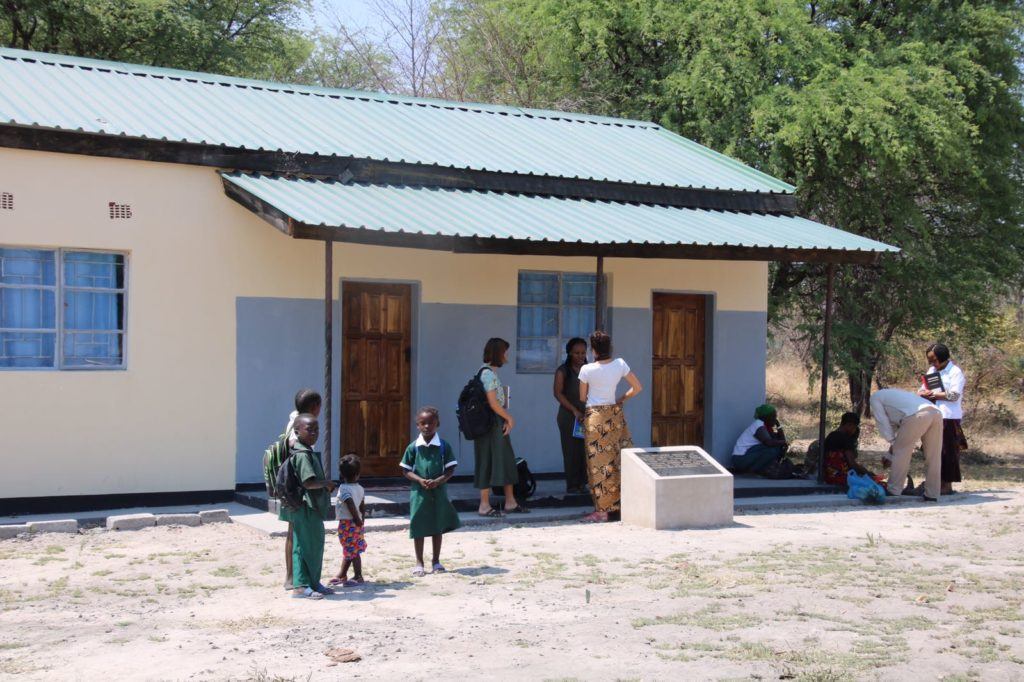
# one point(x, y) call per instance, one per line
point(677, 462)
point(675, 487)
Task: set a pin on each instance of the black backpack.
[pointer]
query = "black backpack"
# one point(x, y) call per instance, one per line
point(473, 411)
point(288, 486)
point(527, 485)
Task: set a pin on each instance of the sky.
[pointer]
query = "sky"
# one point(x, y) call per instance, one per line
point(358, 13)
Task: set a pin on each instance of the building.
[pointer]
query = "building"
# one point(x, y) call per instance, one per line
point(171, 244)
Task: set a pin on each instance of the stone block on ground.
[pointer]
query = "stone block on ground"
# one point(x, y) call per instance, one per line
point(675, 487)
point(55, 526)
point(130, 521)
point(215, 516)
point(178, 520)
point(13, 531)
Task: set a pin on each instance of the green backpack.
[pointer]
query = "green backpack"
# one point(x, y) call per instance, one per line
point(276, 453)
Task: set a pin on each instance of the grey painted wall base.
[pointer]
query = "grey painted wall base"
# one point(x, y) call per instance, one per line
point(280, 349)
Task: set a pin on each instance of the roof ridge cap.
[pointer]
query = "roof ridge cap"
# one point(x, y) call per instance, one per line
point(206, 78)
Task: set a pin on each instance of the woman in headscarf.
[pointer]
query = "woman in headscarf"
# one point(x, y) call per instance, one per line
point(762, 443)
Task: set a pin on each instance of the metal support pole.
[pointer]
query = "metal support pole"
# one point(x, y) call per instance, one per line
point(826, 342)
point(599, 295)
point(328, 352)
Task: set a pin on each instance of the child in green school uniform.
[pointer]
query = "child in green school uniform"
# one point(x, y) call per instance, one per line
point(308, 520)
point(428, 463)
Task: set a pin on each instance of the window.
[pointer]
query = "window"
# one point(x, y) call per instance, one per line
point(61, 309)
point(553, 308)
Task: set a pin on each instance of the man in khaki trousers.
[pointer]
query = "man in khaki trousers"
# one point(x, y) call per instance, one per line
point(904, 418)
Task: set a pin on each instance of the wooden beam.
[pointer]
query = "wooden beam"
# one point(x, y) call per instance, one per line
point(388, 172)
point(826, 341)
point(328, 353)
point(268, 212)
point(599, 295)
point(521, 247)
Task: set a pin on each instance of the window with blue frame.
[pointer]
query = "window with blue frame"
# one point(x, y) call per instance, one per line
point(61, 309)
point(553, 308)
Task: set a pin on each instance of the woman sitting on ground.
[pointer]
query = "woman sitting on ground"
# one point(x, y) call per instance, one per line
point(761, 445)
point(841, 452)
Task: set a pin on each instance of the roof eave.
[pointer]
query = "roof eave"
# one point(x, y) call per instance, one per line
point(521, 247)
point(386, 172)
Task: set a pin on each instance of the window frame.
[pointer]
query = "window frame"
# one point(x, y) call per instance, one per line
point(59, 288)
point(560, 306)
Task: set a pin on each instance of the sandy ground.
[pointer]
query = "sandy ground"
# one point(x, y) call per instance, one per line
point(924, 592)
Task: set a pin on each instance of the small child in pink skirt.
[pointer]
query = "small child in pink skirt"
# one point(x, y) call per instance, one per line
point(350, 509)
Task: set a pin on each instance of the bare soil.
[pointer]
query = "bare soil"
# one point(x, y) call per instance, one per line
point(924, 592)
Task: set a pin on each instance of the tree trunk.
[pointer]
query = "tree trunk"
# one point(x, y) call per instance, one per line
point(860, 391)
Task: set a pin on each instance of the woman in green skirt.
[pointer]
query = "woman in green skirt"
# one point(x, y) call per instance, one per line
point(428, 463)
point(495, 461)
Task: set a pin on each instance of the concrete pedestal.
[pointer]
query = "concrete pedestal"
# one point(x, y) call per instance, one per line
point(675, 498)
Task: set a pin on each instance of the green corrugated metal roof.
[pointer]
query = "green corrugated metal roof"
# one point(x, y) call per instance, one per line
point(145, 102)
point(472, 213)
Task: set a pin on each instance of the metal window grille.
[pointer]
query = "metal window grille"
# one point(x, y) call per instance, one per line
point(6, 201)
point(62, 309)
point(119, 211)
point(553, 307)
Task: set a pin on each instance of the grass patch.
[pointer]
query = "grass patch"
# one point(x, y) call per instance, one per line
point(227, 572)
point(708, 618)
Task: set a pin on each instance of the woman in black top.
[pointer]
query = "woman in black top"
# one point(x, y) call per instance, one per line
point(571, 409)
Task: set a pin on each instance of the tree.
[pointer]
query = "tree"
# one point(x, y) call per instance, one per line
point(901, 121)
point(255, 38)
point(341, 59)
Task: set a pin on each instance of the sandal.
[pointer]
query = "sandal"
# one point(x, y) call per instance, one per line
point(323, 589)
point(595, 517)
point(418, 572)
point(519, 509)
point(337, 581)
point(438, 568)
point(490, 513)
point(307, 593)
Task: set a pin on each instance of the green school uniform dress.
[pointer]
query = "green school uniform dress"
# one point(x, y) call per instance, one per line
point(430, 511)
point(308, 520)
point(494, 460)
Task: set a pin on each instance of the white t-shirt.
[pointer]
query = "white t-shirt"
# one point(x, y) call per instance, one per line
point(953, 381)
point(290, 429)
point(348, 491)
point(747, 439)
point(602, 379)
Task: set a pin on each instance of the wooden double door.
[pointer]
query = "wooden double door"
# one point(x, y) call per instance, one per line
point(376, 370)
point(678, 341)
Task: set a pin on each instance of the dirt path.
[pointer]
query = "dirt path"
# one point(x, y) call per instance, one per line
point(920, 592)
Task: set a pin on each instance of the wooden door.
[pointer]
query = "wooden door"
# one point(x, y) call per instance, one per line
point(677, 410)
point(377, 329)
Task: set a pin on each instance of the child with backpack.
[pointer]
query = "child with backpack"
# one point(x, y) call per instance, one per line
point(351, 513)
point(308, 492)
point(306, 401)
point(428, 463)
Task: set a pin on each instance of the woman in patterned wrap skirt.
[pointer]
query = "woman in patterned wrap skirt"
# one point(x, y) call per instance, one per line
point(605, 429)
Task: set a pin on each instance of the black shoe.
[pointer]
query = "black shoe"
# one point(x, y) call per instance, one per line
point(925, 498)
point(909, 490)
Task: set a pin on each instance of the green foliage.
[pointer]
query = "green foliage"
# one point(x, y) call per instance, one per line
point(255, 38)
point(900, 121)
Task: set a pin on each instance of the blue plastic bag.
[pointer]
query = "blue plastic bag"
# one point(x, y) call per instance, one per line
point(864, 488)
